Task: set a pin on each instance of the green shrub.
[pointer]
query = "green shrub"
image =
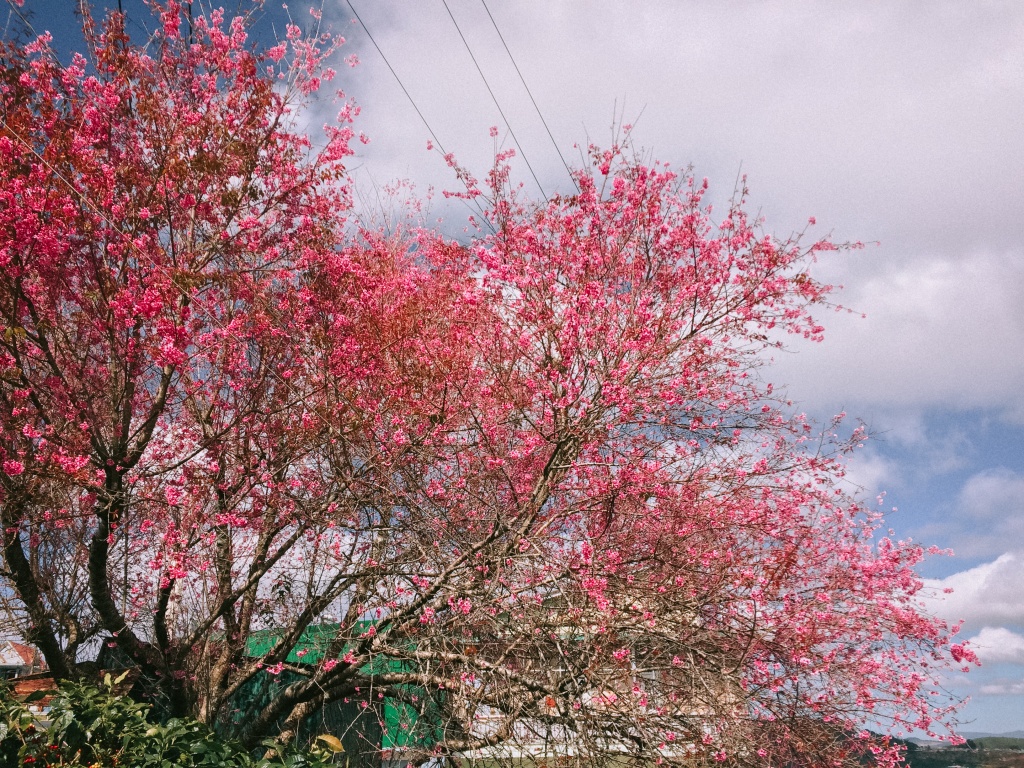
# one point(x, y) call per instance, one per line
point(88, 727)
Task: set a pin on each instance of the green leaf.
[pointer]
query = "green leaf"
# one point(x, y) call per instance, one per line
point(333, 742)
point(37, 695)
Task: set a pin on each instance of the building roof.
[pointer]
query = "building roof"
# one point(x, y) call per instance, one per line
point(14, 654)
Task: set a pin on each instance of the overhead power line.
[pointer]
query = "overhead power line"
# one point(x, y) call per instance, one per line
point(494, 98)
point(397, 78)
point(529, 93)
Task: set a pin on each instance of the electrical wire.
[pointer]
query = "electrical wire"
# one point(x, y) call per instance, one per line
point(397, 78)
point(494, 98)
point(530, 94)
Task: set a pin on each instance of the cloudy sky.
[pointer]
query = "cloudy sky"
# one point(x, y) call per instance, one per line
point(899, 123)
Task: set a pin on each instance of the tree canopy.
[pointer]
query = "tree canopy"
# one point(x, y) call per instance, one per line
point(533, 490)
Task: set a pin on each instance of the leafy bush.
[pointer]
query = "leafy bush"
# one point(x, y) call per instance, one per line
point(91, 727)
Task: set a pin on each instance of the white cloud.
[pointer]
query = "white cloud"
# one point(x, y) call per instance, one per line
point(937, 333)
point(883, 123)
point(994, 495)
point(989, 594)
point(987, 516)
point(990, 513)
point(1005, 688)
point(995, 645)
point(872, 117)
point(869, 472)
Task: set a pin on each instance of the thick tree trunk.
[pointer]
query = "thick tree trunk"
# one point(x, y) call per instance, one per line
point(40, 631)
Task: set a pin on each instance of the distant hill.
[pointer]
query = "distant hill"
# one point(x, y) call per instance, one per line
point(981, 735)
point(999, 742)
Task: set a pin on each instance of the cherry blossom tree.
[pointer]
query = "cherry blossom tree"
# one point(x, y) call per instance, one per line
point(533, 493)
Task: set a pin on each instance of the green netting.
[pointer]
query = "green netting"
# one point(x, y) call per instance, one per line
point(409, 717)
point(352, 721)
point(312, 643)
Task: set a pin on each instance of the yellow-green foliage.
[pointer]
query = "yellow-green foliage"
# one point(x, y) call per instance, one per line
point(87, 726)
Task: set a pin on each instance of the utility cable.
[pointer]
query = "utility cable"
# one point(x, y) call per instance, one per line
point(397, 78)
point(494, 98)
point(530, 94)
